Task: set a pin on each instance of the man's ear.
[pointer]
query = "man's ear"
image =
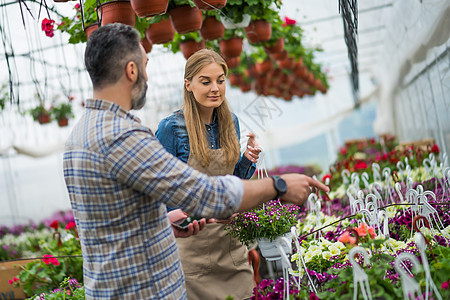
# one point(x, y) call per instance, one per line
point(187, 84)
point(131, 71)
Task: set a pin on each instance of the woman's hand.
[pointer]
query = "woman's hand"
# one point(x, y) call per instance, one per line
point(252, 152)
point(192, 229)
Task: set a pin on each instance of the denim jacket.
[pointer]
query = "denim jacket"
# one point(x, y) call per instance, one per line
point(172, 134)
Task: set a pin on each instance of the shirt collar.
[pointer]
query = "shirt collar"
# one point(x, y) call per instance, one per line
point(101, 104)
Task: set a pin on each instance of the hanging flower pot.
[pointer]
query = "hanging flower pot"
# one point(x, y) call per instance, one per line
point(160, 33)
point(212, 29)
point(43, 118)
point(264, 67)
point(236, 79)
point(147, 44)
point(300, 71)
point(210, 4)
point(189, 47)
point(269, 248)
point(280, 55)
point(63, 122)
point(117, 12)
point(233, 62)
point(231, 48)
point(276, 48)
point(90, 29)
point(148, 8)
point(287, 63)
point(186, 18)
point(245, 87)
point(258, 31)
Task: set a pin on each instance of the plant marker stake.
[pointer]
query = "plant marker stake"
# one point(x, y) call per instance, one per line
point(419, 239)
point(376, 172)
point(400, 167)
point(365, 180)
point(345, 174)
point(297, 245)
point(398, 189)
point(285, 263)
point(359, 276)
point(431, 213)
point(410, 287)
point(387, 177)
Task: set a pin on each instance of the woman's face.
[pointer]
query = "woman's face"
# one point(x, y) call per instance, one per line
point(208, 86)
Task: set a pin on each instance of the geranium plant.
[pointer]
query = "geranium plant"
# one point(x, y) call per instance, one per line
point(267, 221)
point(61, 112)
point(69, 288)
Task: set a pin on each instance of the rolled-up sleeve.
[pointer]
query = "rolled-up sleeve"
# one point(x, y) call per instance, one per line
point(138, 160)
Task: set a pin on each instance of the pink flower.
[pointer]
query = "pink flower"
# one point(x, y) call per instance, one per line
point(444, 285)
point(10, 281)
point(70, 225)
point(313, 296)
point(47, 26)
point(347, 238)
point(49, 259)
point(363, 229)
point(77, 6)
point(435, 149)
point(289, 21)
point(360, 165)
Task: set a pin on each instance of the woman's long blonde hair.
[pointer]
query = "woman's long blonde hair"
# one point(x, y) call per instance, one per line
point(195, 127)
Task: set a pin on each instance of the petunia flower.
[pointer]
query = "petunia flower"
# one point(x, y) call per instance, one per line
point(54, 225)
point(49, 259)
point(70, 225)
point(347, 238)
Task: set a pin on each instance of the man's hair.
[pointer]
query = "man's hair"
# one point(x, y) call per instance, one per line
point(108, 51)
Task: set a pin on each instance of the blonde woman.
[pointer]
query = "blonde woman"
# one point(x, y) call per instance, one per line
point(205, 135)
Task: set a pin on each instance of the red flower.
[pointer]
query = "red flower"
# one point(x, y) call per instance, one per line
point(313, 296)
point(444, 285)
point(47, 26)
point(70, 225)
point(435, 149)
point(343, 151)
point(360, 165)
point(54, 225)
point(324, 178)
point(77, 6)
point(49, 259)
point(288, 21)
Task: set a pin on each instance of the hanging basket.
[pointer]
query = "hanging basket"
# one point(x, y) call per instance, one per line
point(186, 18)
point(147, 44)
point(277, 47)
point(258, 31)
point(148, 8)
point(160, 33)
point(210, 4)
point(90, 29)
point(189, 47)
point(229, 24)
point(269, 248)
point(287, 63)
point(236, 79)
point(43, 118)
point(233, 62)
point(117, 12)
point(264, 67)
point(231, 48)
point(63, 122)
point(212, 29)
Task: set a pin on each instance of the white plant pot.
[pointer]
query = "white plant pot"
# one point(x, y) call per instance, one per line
point(270, 250)
point(229, 24)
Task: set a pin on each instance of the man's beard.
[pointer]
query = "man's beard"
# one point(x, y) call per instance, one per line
point(139, 91)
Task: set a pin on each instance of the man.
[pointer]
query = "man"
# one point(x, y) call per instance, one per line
point(120, 179)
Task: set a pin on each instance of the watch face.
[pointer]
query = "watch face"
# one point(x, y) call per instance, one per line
point(281, 185)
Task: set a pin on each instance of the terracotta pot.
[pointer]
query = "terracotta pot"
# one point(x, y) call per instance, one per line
point(186, 18)
point(231, 48)
point(44, 118)
point(148, 8)
point(212, 29)
point(90, 29)
point(210, 4)
point(147, 44)
point(233, 62)
point(264, 67)
point(63, 122)
point(261, 79)
point(160, 33)
point(300, 71)
point(236, 79)
point(258, 31)
point(245, 87)
point(117, 12)
point(279, 56)
point(251, 71)
point(190, 47)
point(277, 47)
point(287, 63)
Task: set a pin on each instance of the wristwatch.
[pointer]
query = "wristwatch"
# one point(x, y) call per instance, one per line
point(279, 185)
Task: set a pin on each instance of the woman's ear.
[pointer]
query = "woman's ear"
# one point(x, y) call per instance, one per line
point(187, 84)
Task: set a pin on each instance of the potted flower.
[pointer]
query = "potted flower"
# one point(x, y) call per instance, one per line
point(188, 43)
point(265, 223)
point(62, 112)
point(160, 30)
point(185, 16)
point(75, 28)
point(40, 113)
point(212, 27)
point(231, 43)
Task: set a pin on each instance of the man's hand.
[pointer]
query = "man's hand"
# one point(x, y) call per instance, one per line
point(299, 188)
point(222, 221)
point(192, 229)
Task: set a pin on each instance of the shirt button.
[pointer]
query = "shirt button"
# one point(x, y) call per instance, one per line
point(209, 128)
point(212, 145)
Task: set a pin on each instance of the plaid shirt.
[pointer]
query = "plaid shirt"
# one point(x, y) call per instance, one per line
point(119, 180)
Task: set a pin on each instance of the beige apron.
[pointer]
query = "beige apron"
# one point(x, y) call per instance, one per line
point(214, 263)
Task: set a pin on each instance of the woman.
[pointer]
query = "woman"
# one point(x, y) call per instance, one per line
point(205, 135)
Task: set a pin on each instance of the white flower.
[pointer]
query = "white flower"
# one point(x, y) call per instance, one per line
point(313, 248)
point(327, 254)
point(334, 250)
point(308, 256)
